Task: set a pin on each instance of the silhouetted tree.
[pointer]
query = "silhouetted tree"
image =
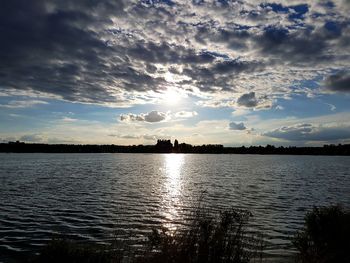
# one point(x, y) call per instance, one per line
point(176, 146)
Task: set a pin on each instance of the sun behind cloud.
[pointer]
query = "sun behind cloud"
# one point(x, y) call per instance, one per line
point(172, 96)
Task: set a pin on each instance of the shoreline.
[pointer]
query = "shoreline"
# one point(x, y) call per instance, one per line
point(168, 147)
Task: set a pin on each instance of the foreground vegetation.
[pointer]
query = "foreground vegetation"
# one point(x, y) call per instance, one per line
point(205, 238)
point(325, 238)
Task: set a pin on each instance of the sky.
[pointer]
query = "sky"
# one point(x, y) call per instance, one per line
point(203, 72)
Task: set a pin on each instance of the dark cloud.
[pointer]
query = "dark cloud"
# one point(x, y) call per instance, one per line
point(294, 12)
point(309, 132)
point(235, 37)
point(303, 46)
point(49, 47)
point(153, 116)
point(220, 75)
point(105, 51)
point(168, 54)
point(339, 82)
point(237, 126)
point(235, 66)
point(53, 48)
point(248, 100)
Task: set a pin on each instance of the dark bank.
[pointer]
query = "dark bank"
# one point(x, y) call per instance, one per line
point(166, 146)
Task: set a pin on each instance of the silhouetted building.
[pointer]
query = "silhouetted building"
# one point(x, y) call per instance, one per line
point(164, 146)
point(176, 146)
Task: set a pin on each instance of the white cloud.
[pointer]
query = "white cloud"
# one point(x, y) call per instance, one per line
point(17, 104)
point(331, 106)
point(241, 112)
point(68, 119)
point(186, 114)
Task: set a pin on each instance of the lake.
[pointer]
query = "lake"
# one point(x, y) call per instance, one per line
point(93, 196)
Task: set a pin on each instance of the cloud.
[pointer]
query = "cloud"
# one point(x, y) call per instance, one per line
point(241, 112)
point(248, 100)
point(125, 136)
point(31, 138)
point(186, 114)
point(153, 116)
point(331, 106)
point(237, 126)
point(68, 119)
point(339, 82)
point(154, 137)
point(118, 53)
point(131, 117)
point(17, 104)
point(147, 137)
point(310, 132)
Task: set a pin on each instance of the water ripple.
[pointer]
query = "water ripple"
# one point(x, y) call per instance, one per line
point(91, 196)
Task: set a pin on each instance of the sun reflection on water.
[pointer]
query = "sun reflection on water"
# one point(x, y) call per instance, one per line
point(173, 184)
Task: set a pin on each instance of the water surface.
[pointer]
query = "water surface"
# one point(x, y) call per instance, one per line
point(91, 196)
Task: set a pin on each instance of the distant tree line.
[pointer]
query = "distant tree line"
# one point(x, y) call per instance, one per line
point(165, 146)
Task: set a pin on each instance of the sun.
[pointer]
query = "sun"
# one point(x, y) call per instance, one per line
point(171, 96)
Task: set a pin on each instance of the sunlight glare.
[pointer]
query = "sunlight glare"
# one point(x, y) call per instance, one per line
point(173, 185)
point(173, 165)
point(171, 96)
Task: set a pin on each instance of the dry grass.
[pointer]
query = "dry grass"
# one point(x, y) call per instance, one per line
point(206, 238)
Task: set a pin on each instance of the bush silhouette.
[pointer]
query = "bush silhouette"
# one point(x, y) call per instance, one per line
point(325, 237)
